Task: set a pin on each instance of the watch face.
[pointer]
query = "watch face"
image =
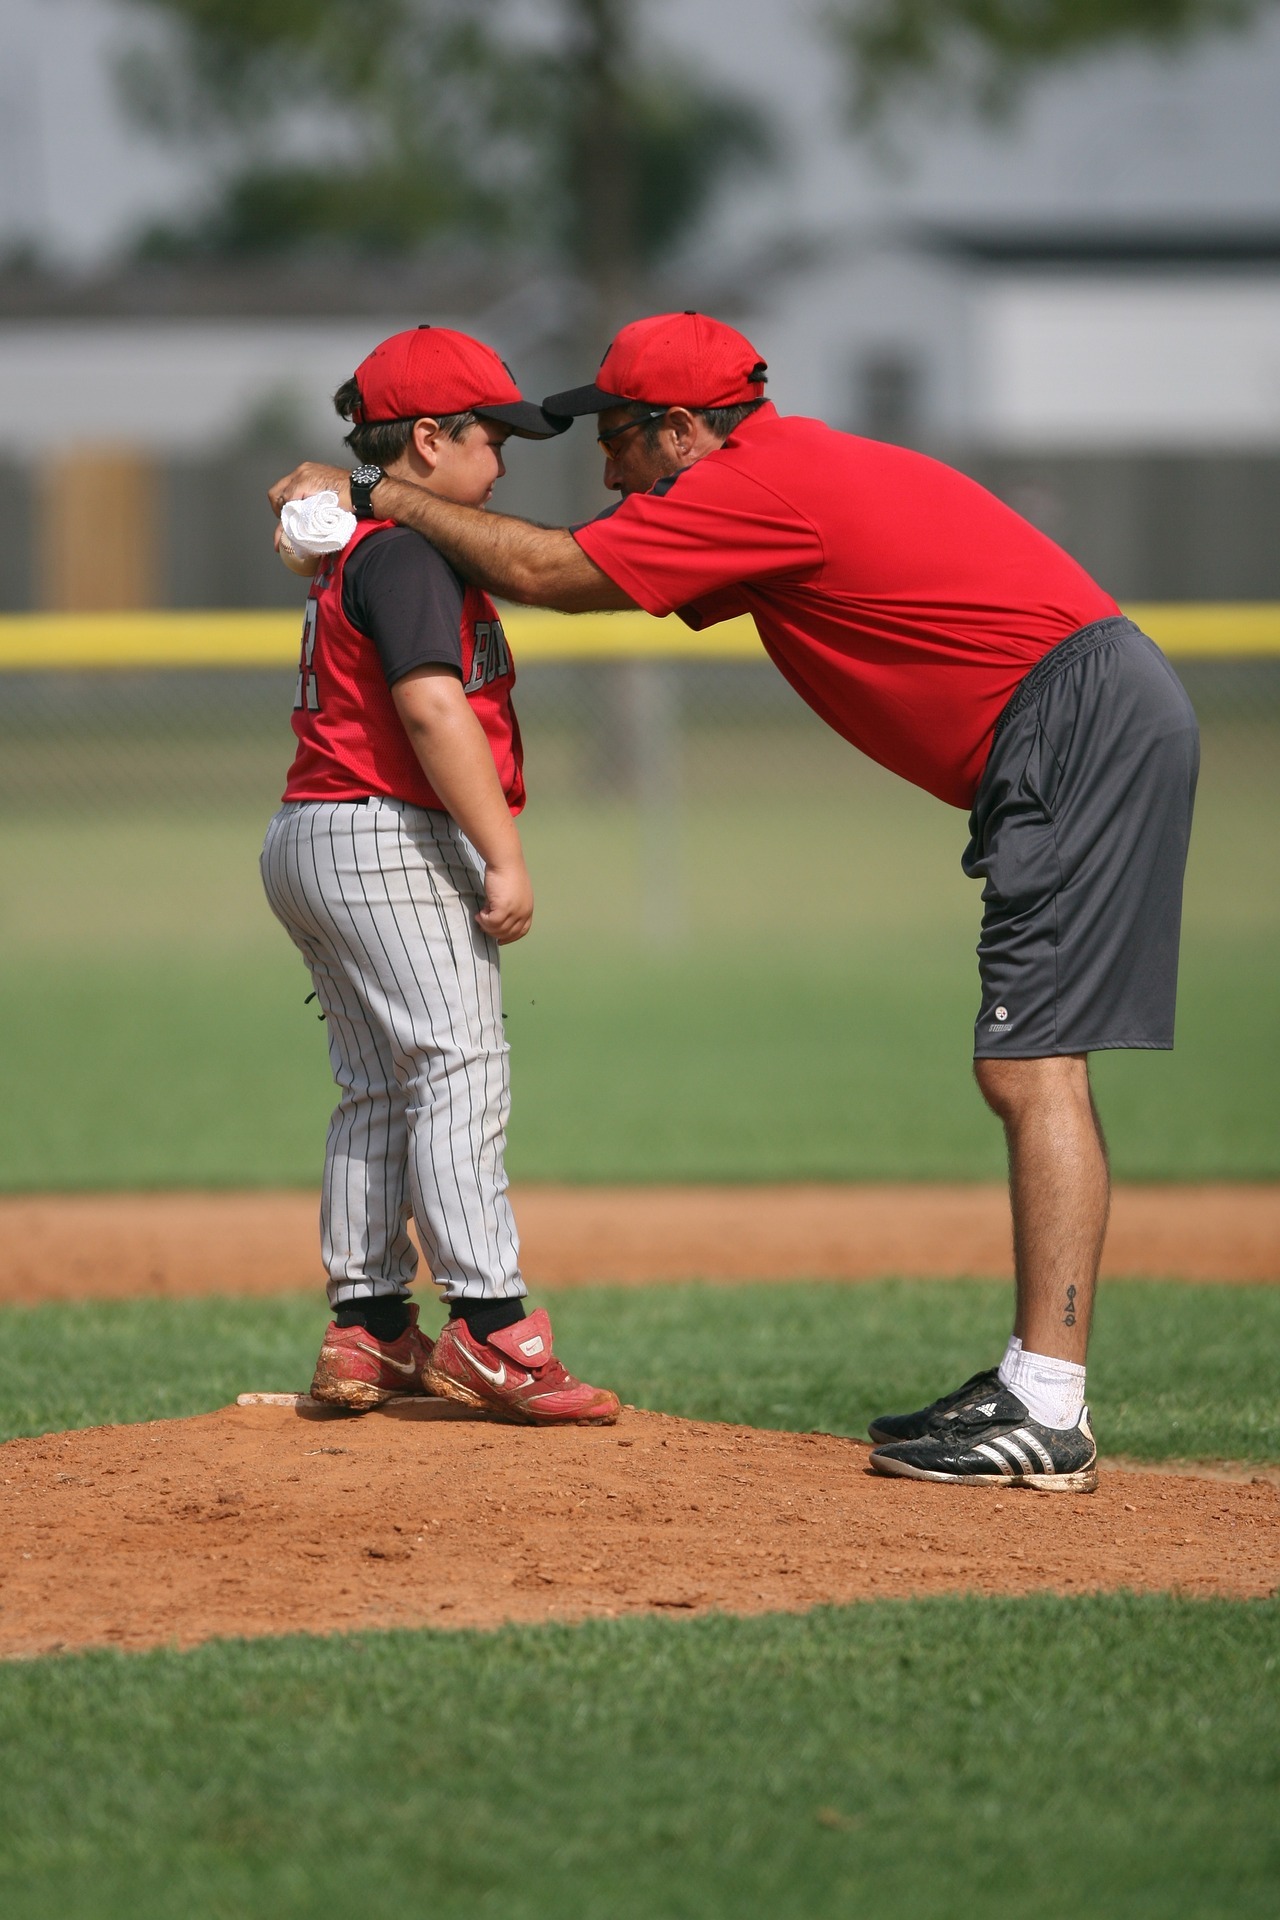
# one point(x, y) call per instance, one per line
point(364, 479)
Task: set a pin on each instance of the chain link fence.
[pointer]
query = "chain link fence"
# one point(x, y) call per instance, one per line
point(697, 795)
point(681, 810)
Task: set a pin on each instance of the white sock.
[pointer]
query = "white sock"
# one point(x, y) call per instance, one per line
point(1052, 1391)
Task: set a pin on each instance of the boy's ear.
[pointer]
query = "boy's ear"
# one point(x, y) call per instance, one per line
point(426, 440)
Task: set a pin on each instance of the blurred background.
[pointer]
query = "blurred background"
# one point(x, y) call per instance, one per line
point(1039, 240)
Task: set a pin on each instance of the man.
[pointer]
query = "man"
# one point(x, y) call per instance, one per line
point(954, 643)
point(395, 866)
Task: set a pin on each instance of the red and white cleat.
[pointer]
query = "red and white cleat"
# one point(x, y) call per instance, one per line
point(357, 1371)
point(514, 1373)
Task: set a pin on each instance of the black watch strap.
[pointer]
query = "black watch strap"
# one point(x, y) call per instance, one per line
point(364, 479)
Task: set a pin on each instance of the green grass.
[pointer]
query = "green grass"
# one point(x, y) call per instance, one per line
point(855, 1066)
point(161, 1070)
point(774, 981)
point(1176, 1371)
point(171, 1069)
point(1110, 1757)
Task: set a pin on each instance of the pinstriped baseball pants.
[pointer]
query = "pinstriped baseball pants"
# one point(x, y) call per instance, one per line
point(380, 897)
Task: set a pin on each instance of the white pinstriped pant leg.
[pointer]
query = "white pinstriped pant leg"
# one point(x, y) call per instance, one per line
point(364, 1199)
point(380, 899)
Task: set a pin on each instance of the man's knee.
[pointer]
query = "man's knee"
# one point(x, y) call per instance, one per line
point(1012, 1088)
point(1000, 1085)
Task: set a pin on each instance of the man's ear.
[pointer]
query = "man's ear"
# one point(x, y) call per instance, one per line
point(683, 428)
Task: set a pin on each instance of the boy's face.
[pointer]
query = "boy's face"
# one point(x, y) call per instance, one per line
point(464, 470)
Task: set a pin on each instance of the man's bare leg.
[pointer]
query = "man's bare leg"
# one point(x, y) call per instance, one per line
point(1029, 1425)
point(1060, 1190)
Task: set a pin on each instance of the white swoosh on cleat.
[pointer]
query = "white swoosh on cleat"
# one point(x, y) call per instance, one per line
point(401, 1366)
point(498, 1379)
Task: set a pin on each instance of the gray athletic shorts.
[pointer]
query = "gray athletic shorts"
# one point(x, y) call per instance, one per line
point(1080, 830)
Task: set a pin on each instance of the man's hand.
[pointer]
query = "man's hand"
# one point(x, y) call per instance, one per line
point(507, 913)
point(310, 478)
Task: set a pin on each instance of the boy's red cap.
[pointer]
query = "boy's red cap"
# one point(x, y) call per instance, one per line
point(433, 370)
point(671, 360)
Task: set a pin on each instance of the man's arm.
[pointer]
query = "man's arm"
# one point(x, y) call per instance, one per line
point(538, 566)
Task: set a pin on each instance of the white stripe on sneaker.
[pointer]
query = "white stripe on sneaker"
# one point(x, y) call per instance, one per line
point(1042, 1453)
point(1022, 1463)
point(998, 1459)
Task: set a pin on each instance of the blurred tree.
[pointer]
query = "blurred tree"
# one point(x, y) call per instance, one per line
point(379, 125)
point(982, 52)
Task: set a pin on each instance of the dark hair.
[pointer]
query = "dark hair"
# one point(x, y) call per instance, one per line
point(381, 442)
point(721, 420)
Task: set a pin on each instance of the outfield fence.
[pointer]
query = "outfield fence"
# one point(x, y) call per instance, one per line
point(680, 742)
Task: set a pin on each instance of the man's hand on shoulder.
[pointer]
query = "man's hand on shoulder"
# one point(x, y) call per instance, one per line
point(311, 478)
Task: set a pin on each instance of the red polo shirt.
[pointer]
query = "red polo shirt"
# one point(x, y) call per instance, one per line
point(902, 601)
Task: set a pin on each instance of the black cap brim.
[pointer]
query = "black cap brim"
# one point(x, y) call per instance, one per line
point(526, 419)
point(583, 400)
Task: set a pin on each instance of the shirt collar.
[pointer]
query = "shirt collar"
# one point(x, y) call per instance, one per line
point(767, 411)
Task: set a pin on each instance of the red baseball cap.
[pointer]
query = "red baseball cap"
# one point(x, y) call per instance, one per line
point(433, 370)
point(673, 360)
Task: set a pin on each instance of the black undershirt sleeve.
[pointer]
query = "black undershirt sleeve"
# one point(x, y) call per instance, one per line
point(404, 595)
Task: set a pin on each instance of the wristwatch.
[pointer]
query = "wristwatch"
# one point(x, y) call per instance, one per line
point(364, 479)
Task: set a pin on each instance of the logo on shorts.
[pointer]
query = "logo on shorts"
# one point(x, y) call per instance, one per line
point(1002, 1022)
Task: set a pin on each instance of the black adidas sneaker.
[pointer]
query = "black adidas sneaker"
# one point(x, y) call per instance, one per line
point(994, 1442)
point(914, 1426)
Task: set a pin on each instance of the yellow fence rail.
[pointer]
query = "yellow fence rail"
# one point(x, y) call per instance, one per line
point(35, 642)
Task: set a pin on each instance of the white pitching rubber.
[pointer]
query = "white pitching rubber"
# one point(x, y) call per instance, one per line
point(305, 1400)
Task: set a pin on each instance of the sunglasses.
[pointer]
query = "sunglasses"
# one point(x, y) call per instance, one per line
point(605, 440)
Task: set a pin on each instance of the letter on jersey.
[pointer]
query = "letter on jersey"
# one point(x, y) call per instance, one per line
point(490, 659)
point(308, 694)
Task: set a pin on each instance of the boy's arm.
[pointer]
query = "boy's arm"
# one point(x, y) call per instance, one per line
point(454, 754)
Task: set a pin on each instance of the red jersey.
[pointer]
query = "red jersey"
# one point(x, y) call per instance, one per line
point(351, 742)
point(902, 601)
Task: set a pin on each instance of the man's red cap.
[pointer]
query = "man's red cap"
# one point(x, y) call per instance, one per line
point(433, 370)
point(670, 360)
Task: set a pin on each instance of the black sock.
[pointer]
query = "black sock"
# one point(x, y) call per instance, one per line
point(484, 1317)
point(385, 1317)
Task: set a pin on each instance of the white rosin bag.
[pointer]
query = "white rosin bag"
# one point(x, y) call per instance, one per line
point(312, 527)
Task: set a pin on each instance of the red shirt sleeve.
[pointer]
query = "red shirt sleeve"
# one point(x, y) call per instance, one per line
point(691, 537)
point(712, 608)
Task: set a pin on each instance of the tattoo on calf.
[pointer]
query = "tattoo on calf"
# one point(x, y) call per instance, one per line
point(1069, 1312)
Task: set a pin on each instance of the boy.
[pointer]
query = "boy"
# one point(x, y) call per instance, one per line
point(395, 866)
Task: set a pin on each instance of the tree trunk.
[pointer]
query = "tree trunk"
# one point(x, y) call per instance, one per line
point(604, 190)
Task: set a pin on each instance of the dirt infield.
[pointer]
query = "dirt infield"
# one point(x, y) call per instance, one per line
point(81, 1246)
point(267, 1520)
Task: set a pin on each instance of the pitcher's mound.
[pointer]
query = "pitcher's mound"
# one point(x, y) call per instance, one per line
point(278, 1519)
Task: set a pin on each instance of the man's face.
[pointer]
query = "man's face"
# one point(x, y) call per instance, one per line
point(631, 463)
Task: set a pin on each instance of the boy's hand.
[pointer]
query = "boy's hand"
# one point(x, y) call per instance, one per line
point(507, 913)
point(307, 566)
